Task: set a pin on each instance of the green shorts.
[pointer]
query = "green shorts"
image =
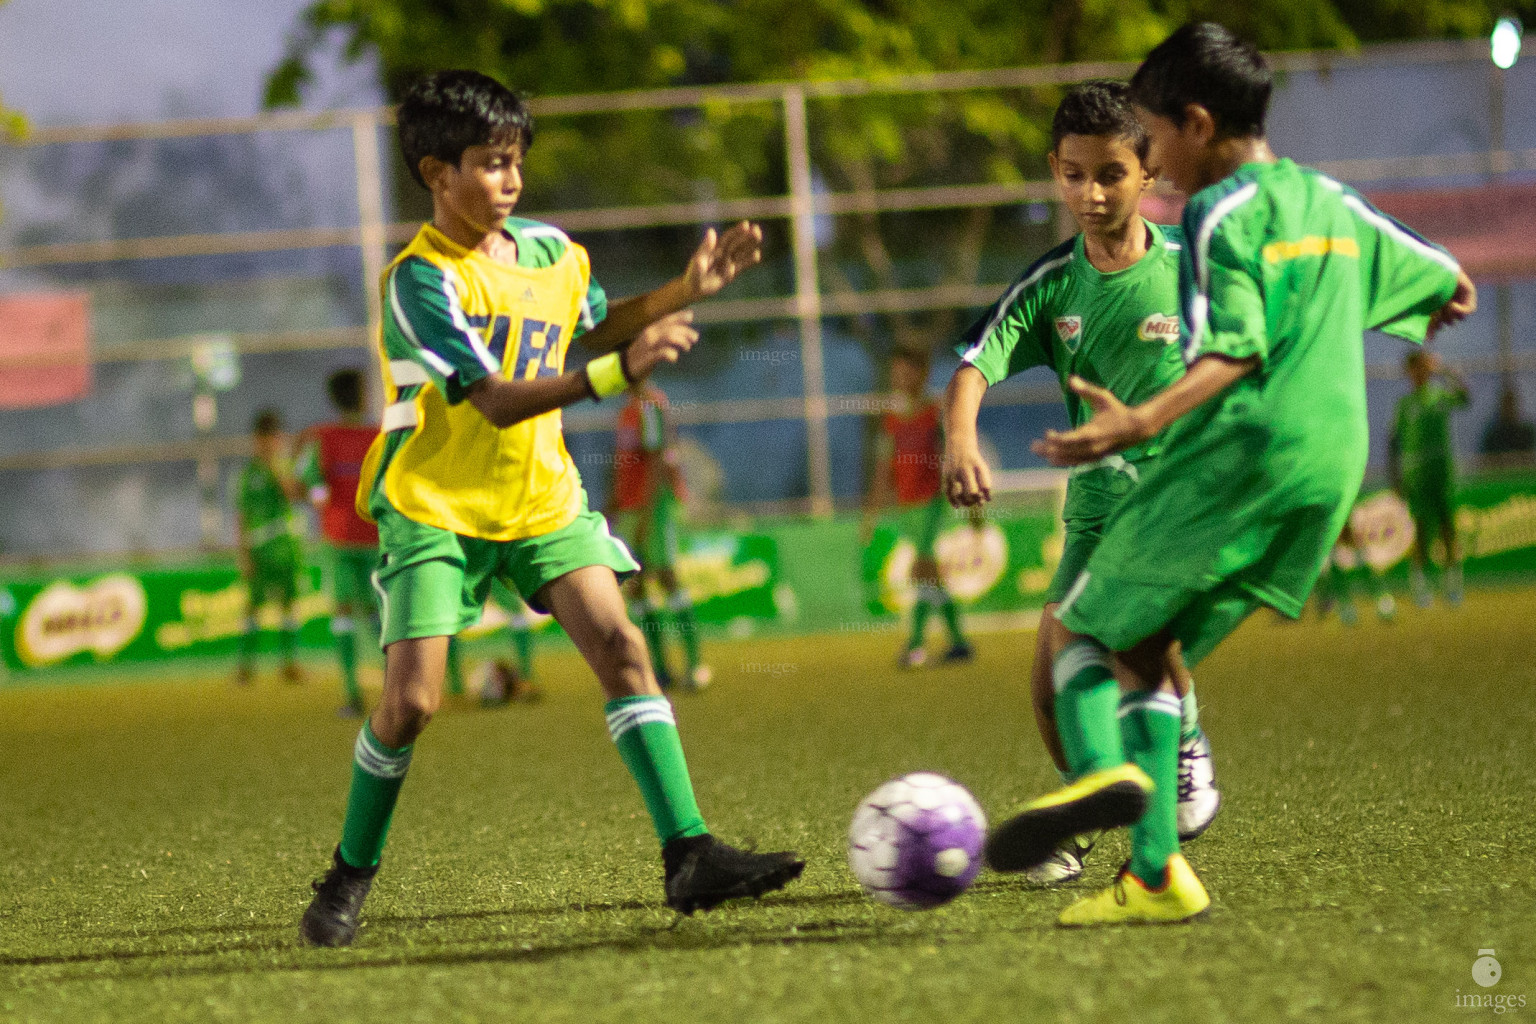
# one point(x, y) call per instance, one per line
point(275, 570)
point(351, 572)
point(1119, 614)
point(1080, 543)
point(652, 532)
point(434, 582)
point(1093, 493)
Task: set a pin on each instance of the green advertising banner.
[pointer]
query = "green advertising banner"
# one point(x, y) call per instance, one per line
point(787, 575)
point(69, 619)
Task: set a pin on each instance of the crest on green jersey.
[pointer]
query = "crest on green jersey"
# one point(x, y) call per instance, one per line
point(1070, 330)
point(1159, 327)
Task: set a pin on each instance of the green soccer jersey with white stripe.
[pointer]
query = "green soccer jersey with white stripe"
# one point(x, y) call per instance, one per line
point(1287, 266)
point(1118, 330)
point(265, 513)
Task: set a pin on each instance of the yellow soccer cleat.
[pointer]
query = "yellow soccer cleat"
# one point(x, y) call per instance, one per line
point(1112, 798)
point(1129, 901)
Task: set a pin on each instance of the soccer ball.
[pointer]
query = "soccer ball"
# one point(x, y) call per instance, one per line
point(915, 842)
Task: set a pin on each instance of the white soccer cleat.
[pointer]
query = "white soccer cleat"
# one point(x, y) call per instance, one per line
point(1065, 864)
point(1199, 799)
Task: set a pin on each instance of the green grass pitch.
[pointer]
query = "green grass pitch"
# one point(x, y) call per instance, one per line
point(157, 841)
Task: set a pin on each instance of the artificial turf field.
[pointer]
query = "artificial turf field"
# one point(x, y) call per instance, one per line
point(158, 840)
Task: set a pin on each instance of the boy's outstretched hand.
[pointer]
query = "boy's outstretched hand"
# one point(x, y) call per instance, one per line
point(1462, 305)
point(662, 342)
point(719, 258)
point(1114, 427)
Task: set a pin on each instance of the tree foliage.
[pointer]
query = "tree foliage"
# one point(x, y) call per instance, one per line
point(553, 47)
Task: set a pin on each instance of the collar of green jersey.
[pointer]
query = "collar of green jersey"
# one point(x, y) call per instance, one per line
point(1141, 266)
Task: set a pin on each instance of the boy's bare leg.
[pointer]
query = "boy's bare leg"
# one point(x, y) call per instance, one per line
point(701, 872)
point(1048, 643)
point(413, 689)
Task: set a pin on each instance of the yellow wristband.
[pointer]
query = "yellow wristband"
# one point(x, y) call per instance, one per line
point(605, 375)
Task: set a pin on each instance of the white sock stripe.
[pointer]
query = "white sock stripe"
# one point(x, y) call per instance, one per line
point(374, 760)
point(1153, 703)
point(622, 720)
point(1073, 659)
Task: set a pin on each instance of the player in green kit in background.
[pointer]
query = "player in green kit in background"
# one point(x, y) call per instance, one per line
point(911, 447)
point(1265, 451)
point(1423, 468)
point(270, 554)
point(1102, 306)
point(648, 496)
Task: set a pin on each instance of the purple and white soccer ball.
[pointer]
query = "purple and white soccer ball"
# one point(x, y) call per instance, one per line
point(915, 842)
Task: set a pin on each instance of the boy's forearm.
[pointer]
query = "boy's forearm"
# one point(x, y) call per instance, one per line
point(962, 404)
point(629, 317)
point(1208, 377)
point(507, 402)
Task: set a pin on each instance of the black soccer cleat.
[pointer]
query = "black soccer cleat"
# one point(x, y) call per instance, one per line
point(703, 872)
point(331, 919)
point(1112, 798)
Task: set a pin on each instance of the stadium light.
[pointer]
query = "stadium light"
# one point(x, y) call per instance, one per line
point(1504, 44)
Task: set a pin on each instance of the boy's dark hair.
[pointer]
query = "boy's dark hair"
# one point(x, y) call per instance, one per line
point(445, 113)
point(346, 390)
point(1099, 107)
point(267, 423)
point(1206, 64)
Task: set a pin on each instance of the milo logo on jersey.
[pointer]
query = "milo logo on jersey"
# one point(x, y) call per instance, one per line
point(1160, 328)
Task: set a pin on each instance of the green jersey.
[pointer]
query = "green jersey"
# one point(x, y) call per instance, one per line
point(1116, 330)
point(1421, 433)
point(263, 507)
point(1290, 267)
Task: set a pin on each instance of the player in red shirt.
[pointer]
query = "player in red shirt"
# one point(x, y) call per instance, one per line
point(330, 465)
point(647, 501)
point(907, 470)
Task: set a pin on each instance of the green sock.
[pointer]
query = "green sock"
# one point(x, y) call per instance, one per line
point(646, 734)
point(377, 772)
point(920, 612)
point(344, 636)
point(681, 607)
point(522, 645)
point(651, 627)
point(951, 613)
point(455, 668)
point(1086, 697)
point(1189, 718)
point(1150, 725)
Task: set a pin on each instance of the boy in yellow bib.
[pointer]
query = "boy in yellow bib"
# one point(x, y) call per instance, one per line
point(470, 481)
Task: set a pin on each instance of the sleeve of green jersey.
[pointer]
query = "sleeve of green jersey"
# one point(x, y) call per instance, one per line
point(594, 308)
point(1224, 298)
point(1008, 338)
point(1406, 278)
point(424, 320)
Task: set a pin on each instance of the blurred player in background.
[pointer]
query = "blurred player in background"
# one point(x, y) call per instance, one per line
point(1102, 306)
point(1336, 589)
point(471, 480)
point(1265, 452)
point(1422, 466)
point(270, 549)
point(330, 464)
point(648, 496)
point(911, 447)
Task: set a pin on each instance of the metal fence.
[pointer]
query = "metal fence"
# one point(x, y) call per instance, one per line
point(236, 266)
